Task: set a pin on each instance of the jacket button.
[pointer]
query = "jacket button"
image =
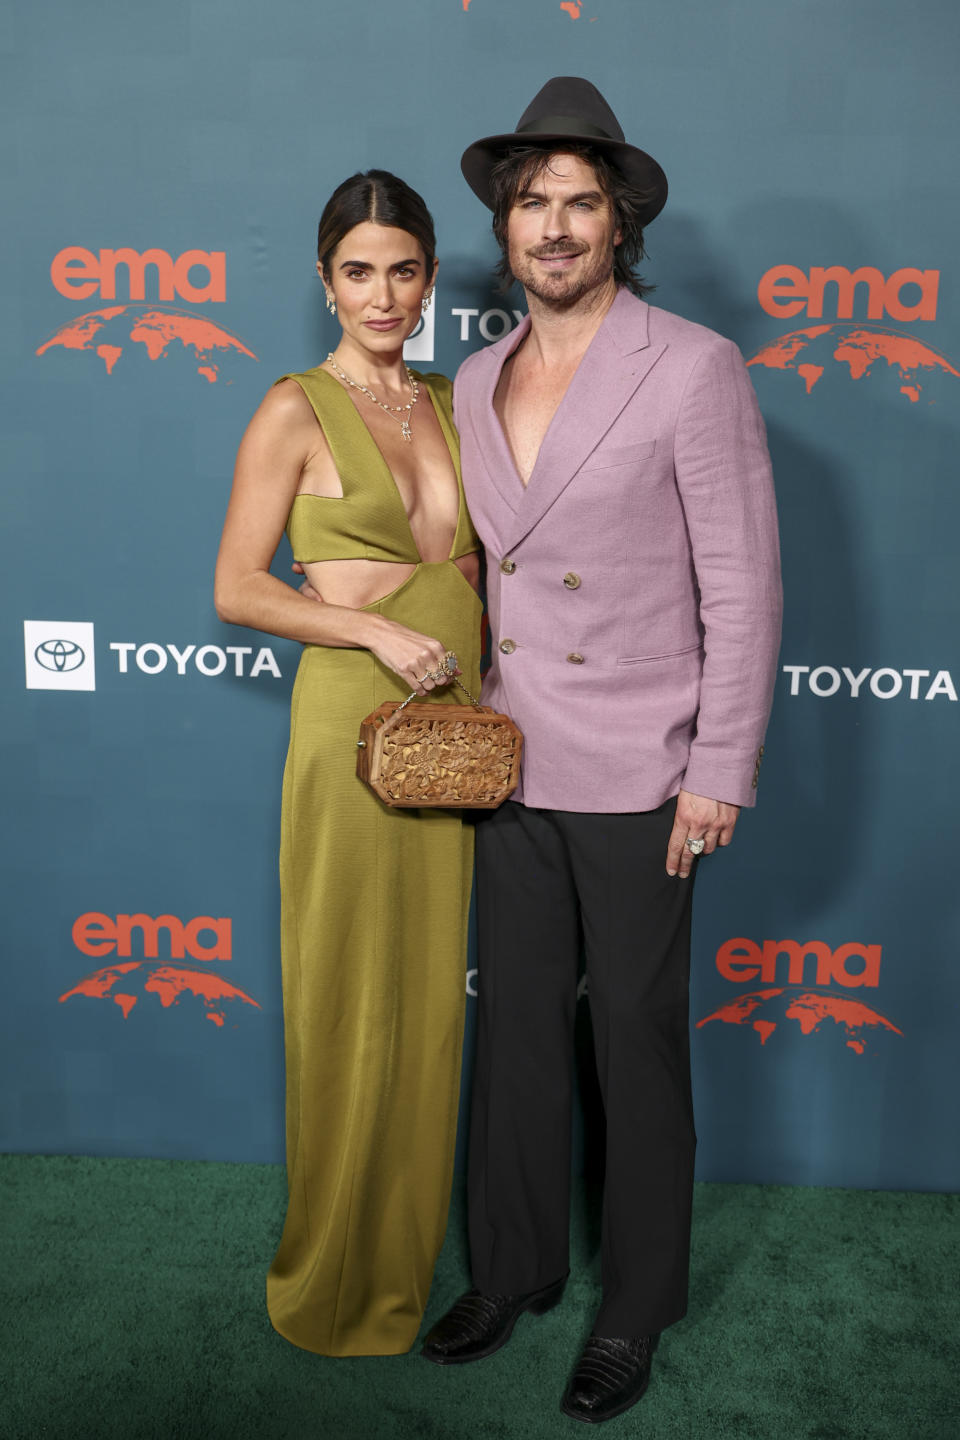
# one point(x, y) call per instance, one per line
point(571, 580)
point(756, 768)
point(508, 566)
point(575, 659)
point(508, 646)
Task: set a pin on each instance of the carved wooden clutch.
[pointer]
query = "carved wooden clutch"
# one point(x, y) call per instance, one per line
point(439, 756)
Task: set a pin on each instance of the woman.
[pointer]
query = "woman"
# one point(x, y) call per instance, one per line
point(358, 459)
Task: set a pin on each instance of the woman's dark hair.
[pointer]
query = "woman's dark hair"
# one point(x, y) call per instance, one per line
point(521, 165)
point(381, 198)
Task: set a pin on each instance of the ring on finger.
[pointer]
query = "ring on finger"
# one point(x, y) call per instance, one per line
point(695, 846)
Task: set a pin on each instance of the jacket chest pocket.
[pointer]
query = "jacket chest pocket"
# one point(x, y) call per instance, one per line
point(608, 457)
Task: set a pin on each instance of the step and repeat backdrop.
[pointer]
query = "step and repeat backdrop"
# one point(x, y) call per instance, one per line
point(164, 171)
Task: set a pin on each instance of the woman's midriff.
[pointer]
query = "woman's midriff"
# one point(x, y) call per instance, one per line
point(435, 599)
point(358, 584)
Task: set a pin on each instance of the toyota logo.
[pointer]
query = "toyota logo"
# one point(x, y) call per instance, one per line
point(59, 655)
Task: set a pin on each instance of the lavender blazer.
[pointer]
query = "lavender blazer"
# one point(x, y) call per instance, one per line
point(634, 585)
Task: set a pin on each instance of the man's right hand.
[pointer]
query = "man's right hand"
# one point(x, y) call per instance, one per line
point(306, 589)
point(698, 818)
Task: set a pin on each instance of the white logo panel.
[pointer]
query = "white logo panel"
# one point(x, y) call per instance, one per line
point(58, 655)
point(419, 345)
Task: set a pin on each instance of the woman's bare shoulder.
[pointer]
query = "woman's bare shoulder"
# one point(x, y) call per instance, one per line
point(286, 401)
point(285, 416)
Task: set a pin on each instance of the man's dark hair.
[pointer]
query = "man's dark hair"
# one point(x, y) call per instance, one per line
point(520, 166)
point(379, 197)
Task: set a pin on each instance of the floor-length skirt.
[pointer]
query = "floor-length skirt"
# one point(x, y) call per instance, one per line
point(374, 924)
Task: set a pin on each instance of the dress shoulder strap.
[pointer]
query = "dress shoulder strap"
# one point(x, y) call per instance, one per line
point(349, 440)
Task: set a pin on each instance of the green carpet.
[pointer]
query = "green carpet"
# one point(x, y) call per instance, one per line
point(132, 1306)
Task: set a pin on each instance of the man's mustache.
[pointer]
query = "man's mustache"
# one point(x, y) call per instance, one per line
point(544, 252)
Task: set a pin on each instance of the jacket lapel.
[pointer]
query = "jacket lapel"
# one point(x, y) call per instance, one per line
point(494, 450)
point(618, 359)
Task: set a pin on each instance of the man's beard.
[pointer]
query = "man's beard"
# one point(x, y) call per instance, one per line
point(561, 290)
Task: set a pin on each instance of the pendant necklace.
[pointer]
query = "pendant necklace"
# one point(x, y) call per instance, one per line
point(403, 414)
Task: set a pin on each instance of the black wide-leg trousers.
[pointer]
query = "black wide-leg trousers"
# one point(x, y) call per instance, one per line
point(547, 880)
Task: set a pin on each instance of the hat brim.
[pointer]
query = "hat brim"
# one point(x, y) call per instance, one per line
point(636, 165)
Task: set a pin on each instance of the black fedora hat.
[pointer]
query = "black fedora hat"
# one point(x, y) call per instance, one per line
point(569, 109)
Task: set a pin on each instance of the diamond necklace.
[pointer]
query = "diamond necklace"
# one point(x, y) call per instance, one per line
point(403, 414)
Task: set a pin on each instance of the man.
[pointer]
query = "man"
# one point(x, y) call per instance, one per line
point(616, 469)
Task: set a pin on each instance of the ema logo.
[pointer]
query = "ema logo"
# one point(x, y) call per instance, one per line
point(784, 291)
point(204, 938)
point(96, 935)
point(59, 655)
point(844, 348)
point(157, 331)
point(850, 966)
point(78, 274)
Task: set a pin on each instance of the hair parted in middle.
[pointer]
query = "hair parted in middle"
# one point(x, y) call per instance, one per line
point(520, 166)
point(383, 199)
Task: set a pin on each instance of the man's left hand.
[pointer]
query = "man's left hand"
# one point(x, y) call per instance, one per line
point(698, 818)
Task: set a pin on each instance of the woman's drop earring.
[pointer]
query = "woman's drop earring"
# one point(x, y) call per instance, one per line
point(425, 304)
point(331, 305)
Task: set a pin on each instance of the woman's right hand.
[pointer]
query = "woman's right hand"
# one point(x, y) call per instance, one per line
point(414, 657)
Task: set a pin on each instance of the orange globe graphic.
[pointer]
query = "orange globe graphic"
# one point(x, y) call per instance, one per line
point(764, 1011)
point(573, 8)
point(853, 351)
point(159, 331)
point(126, 984)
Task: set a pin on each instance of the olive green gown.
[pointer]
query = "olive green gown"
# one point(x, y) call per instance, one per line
point(374, 923)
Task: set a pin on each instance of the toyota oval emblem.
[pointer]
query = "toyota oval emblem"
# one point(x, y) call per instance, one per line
point(59, 655)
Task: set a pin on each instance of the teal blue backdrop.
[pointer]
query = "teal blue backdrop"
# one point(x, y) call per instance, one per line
point(813, 217)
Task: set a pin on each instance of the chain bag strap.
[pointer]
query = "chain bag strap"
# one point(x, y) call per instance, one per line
point(456, 680)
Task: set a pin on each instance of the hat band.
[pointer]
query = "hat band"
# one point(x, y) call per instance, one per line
point(562, 125)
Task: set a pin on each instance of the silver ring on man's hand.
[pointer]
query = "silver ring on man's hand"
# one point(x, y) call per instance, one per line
point(695, 846)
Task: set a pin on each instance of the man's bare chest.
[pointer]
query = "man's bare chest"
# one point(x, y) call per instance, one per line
point(525, 402)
